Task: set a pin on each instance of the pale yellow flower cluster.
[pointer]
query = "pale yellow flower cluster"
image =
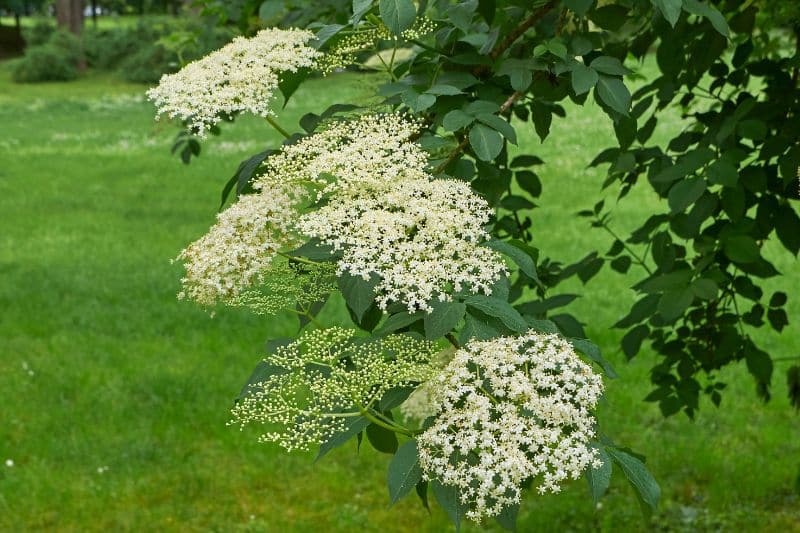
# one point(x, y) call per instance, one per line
point(238, 250)
point(510, 409)
point(239, 77)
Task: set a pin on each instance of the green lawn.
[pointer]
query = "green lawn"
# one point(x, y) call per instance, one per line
point(115, 395)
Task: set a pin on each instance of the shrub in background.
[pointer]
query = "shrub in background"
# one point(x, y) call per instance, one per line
point(57, 59)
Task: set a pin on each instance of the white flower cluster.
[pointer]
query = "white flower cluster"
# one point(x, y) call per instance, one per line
point(320, 380)
point(510, 409)
point(421, 237)
point(238, 250)
point(240, 76)
point(380, 209)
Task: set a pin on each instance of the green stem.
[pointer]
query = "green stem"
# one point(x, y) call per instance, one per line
point(278, 127)
point(298, 259)
point(391, 427)
point(630, 250)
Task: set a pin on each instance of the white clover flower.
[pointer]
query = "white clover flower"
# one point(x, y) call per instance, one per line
point(320, 380)
point(9, 463)
point(239, 249)
point(421, 237)
point(240, 76)
point(510, 409)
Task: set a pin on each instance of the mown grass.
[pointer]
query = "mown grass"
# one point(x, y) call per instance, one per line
point(115, 394)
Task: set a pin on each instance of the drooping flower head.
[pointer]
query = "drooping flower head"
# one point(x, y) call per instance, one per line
point(241, 76)
point(510, 409)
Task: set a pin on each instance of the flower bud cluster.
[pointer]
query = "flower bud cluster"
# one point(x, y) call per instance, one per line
point(324, 377)
point(240, 76)
point(344, 52)
point(510, 409)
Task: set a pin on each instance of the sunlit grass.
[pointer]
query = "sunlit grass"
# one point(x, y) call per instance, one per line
point(115, 394)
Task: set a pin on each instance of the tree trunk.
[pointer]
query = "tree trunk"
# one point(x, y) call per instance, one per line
point(69, 15)
point(16, 23)
point(94, 13)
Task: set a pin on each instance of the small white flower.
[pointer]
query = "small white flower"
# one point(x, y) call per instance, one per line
point(510, 409)
point(9, 463)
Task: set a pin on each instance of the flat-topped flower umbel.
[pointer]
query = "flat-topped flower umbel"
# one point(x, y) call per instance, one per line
point(510, 409)
point(241, 76)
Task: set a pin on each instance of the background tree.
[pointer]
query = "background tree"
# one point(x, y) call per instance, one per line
point(69, 15)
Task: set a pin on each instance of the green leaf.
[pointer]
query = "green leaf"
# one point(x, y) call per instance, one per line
point(685, 165)
point(704, 9)
point(741, 249)
point(614, 94)
point(580, 7)
point(270, 9)
point(642, 481)
point(443, 319)
point(486, 142)
point(632, 341)
point(542, 116)
point(500, 125)
point(360, 8)
point(358, 292)
point(516, 254)
point(422, 492)
point(787, 227)
point(394, 397)
point(262, 372)
point(500, 309)
point(521, 79)
point(397, 321)
point(673, 303)
point(290, 82)
point(243, 176)
point(404, 471)
point(609, 65)
point(670, 10)
point(685, 193)
point(382, 439)
point(759, 363)
point(583, 78)
point(723, 172)
point(507, 518)
point(592, 351)
point(398, 15)
point(447, 90)
point(475, 328)
point(353, 425)
point(325, 33)
point(599, 478)
point(752, 129)
point(447, 496)
point(456, 120)
point(705, 288)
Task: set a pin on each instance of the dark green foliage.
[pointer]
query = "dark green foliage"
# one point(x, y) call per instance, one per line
point(57, 59)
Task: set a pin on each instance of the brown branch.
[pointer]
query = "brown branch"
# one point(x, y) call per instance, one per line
point(524, 26)
point(463, 144)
